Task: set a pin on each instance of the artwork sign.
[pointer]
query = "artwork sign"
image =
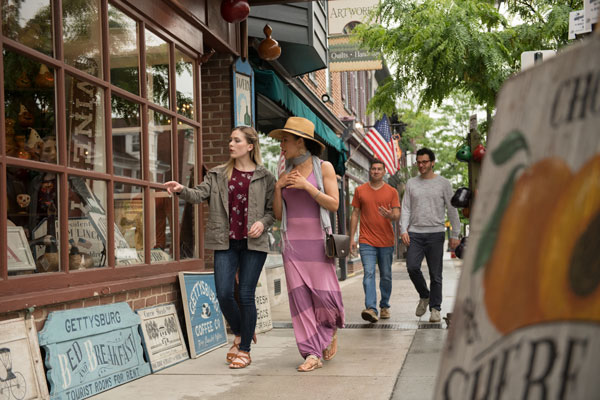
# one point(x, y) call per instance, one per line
point(21, 367)
point(243, 94)
point(163, 340)
point(90, 350)
point(526, 322)
point(203, 317)
point(264, 322)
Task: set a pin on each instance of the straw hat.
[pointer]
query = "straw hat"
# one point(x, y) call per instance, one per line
point(297, 126)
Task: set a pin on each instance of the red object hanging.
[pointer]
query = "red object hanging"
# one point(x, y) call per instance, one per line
point(234, 11)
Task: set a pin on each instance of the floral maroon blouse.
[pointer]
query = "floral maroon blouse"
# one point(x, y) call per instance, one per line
point(238, 204)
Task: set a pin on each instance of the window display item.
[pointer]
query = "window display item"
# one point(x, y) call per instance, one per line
point(35, 144)
point(9, 132)
point(49, 150)
point(25, 117)
point(20, 150)
point(23, 81)
point(44, 78)
point(48, 262)
point(79, 260)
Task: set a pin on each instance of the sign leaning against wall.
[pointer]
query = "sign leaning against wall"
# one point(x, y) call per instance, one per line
point(526, 322)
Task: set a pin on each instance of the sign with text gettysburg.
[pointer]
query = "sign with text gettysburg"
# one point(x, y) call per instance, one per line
point(526, 323)
point(90, 350)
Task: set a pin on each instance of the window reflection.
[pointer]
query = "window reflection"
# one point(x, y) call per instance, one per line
point(157, 69)
point(87, 223)
point(186, 136)
point(126, 130)
point(129, 221)
point(124, 61)
point(161, 217)
point(184, 83)
point(29, 108)
point(159, 139)
point(32, 216)
point(29, 22)
point(85, 124)
point(82, 33)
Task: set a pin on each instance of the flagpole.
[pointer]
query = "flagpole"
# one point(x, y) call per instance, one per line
point(363, 139)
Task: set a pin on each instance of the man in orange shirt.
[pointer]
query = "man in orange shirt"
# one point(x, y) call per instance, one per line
point(376, 205)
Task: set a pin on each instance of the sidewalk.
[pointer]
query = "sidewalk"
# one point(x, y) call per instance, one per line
point(392, 359)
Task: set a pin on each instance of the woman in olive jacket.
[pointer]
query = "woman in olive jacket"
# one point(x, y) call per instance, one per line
point(240, 196)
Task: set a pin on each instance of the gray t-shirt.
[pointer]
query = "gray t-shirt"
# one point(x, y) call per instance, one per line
point(424, 206)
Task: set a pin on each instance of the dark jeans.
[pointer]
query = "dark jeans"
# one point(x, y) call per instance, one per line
point(241, 318)
point(430, 246)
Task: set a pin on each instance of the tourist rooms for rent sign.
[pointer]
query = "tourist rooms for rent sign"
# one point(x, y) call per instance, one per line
point(526, 323)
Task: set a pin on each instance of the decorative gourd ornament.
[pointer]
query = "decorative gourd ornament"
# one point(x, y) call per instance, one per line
point(23, 81)
point(234, 11)
point(25, 117)
point(269, 49)
point(44, 78)
point(464, 153)
point(478, 153)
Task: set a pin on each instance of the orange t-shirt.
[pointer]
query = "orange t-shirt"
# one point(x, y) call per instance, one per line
point(375, 229)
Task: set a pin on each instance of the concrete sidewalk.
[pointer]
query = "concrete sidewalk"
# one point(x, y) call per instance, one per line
point(392, 359)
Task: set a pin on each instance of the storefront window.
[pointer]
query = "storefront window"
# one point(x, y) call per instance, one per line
point(186, 136)
point(157, 69)
point(124, 52)
point(87, 223)
point(29, 22)
point(126, 130)
point(184, 83)
point(32, 221)
point(29, 108)
point(85, 124)
point(82, 35)
point(162, 223)
point(159, 140)
point(129, 224)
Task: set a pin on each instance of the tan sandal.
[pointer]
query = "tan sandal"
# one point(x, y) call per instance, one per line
point(311, 363)
point(241, 360)
point(233, 351)
point(331, 350)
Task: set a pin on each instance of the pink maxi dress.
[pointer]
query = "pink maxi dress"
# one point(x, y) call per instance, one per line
point(313, 289)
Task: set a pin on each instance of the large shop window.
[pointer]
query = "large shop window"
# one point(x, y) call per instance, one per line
point(90, 137)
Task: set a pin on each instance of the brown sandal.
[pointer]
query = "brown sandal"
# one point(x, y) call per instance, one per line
point(311, 363)
point(331, 350)
point(233, 351)
point(241, 360)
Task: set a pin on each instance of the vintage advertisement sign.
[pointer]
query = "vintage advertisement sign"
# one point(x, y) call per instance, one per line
point(526, 323)
point(163, 340)
point(203, 317)
point(90, 350)
point(21, 368)
point(264, 322)
point(243, 94)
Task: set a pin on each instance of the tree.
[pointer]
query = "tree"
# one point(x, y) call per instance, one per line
point(439, 47)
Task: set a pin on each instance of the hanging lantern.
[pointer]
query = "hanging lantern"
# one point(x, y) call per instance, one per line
point(269, 49)
point(234, 11)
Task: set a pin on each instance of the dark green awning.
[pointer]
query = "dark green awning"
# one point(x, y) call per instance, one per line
point(269, 84)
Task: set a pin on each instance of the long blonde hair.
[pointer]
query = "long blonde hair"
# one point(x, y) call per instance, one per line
point(252, 138)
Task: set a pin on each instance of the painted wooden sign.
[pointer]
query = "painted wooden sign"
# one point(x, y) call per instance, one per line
point(243, 94)
point(163, 340)
point(90, 350)
point(264, 322)
point(203, 318)
point(526, 323)
point(21, 368)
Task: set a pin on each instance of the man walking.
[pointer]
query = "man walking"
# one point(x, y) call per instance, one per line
point(376, 205)
point(424, 205)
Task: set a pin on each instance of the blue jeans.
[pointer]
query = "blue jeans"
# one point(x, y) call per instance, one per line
point(430, 246)
point(240, 317)
point(382, 256)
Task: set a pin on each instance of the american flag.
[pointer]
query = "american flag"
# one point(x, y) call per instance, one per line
point(379, 139)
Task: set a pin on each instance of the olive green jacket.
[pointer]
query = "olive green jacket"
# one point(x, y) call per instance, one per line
point(260, 206)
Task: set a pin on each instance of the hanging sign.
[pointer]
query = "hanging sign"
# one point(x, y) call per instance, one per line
point(90, 350)
point(163, 340)
point(526, 320)
point(243, 94)
point(203, 318)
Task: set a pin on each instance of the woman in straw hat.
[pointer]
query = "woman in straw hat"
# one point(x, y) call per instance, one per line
point(240, 195)
point(304, 195)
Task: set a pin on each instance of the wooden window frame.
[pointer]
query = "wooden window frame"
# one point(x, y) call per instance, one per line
point(24, 291)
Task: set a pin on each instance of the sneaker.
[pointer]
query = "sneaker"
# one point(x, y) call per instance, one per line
point(435, 316)
point(385, 313)
point(369, 315)
point(422, 307)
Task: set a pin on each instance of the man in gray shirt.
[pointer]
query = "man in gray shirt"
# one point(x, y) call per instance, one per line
point(422, 229)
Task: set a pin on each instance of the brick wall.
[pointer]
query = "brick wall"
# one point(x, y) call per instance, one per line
point(337, 106)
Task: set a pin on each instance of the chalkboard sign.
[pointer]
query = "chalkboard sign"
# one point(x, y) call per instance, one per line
point(264, 322)
point(163, 340)
point(21, 369)
point(90, 350)
point(203, 318)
